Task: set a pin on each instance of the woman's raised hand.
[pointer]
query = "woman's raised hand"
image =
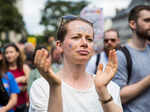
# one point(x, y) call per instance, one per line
point(43, 63)
point(104, 77)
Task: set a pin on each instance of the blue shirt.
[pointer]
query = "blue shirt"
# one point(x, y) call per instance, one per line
point(91, 66)
point(140, 70)
point(10, 85)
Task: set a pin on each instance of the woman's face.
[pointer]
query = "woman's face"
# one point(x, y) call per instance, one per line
point(78, 42)
point(11, 54)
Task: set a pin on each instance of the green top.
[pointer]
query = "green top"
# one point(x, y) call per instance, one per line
point(34, 74)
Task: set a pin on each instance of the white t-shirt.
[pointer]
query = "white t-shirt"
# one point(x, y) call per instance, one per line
point(73, 100)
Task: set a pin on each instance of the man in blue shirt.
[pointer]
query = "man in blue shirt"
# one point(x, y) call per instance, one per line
point(135, 88)
point(111, 41)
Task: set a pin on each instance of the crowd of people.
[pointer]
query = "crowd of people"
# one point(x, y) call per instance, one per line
point(70, 77)
point(17, 73)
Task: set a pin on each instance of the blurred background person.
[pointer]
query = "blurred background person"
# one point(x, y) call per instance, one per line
point(56, 60)
point(135, 85)
point(51, 42)
point(28, 47)
point(34, 73)
point(111, 41)
point(21, 44)
point(8, 88)
point(29, 50)
point(15, 65)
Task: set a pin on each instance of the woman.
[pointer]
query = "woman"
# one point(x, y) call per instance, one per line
point(72, 89)
point(16, 66)
point(8, 88)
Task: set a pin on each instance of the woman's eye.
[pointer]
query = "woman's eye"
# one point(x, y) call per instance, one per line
point(90, 40)
point(147, 20)
point(75, 37)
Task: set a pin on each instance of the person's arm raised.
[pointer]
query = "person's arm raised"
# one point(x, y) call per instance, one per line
point(42, 63)
point(101, 81)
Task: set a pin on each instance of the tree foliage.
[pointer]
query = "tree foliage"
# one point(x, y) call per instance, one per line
point(10, 18)
point(54, 10)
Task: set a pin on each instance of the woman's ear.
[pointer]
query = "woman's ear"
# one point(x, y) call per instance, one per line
point(132, 24)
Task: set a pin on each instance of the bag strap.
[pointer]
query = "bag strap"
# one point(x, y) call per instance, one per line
point(97, 61)
point(129, 60)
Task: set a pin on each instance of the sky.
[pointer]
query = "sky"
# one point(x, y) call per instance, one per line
point(32, 11)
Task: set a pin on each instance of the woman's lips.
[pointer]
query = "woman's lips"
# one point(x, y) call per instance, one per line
point(83, 52)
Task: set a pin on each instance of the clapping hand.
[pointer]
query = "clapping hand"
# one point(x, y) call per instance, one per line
point(42, 62)
point(104, 77)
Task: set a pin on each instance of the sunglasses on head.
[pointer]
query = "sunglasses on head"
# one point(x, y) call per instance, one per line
point(112, 40)
point(68, 18)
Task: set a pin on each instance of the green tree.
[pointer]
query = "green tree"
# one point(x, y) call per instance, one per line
point(10, 18)
point(54, 10)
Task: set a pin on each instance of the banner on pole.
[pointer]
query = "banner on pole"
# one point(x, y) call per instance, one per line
point(95, 15)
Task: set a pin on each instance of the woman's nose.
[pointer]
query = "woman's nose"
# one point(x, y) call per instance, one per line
point(84, 42)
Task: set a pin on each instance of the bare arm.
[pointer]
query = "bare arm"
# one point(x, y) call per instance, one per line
point(110, 106)
point(12, 102)
point(26, 70)
point(135, 89)
point(55, 100)
point(43, 64)
point(23, 79)
point(101, 81)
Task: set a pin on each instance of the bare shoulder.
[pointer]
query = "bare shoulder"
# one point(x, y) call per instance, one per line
point(26, 67)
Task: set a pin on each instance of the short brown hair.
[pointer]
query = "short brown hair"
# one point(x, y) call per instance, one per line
point(134, 13)
point(113, 30)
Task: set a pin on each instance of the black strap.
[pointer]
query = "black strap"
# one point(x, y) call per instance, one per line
point(97, 61)
point(129, 61)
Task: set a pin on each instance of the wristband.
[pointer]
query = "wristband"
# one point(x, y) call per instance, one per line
point(106, 101)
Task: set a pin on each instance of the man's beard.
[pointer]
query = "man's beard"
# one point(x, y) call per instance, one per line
point(143, 34)
point(107, 49)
